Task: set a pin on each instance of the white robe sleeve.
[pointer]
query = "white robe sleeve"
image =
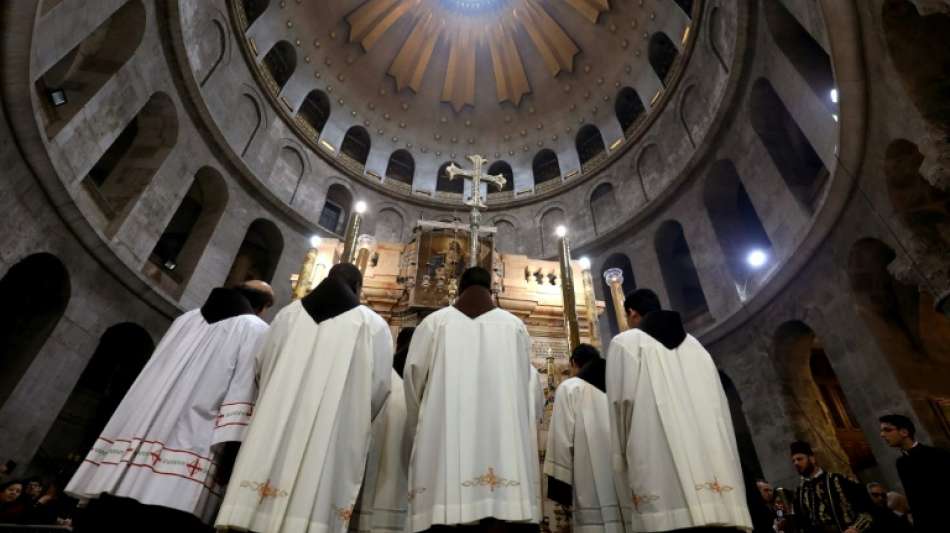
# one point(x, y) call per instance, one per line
point(382, 352)
point(559, 454)
point(622, 370)
point(236, 409)
point(416, 373)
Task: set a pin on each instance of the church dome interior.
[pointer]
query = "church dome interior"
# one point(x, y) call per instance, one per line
point(777, 171)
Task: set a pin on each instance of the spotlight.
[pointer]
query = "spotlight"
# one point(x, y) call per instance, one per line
point(834, 116)
point(757, 258)
point(834, 96)
point(315, 241)
point(560, 231)
point(585, 263)
point(57, 97)
point(169, 265)
point(360, 207)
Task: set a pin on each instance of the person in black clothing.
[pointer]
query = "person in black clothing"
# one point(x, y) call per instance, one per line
point(924, 471)
point(884, 518)
point(828, 502)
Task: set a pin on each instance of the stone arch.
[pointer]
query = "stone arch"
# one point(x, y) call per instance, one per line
point(922, 208)
point(718, 36)
point(401, 167)
point(679, 271)
point(180, 247)
point(117, 180)
point(662, 54)
point(650, 166)
point(119, 357)
point(622, 261)
point(590, 145)
point(249, 119)
point(444, 184)
point(279, 64)
point(628, 108)
point(336, 209)
point(35, 293)
point(314, 111)
point(748, 458)
point(211, 49)
point(805, 54)
point(920, 51)
point(356, 144)
point(258, 255)
point(506, 235)
point(801, 169)
point(253, 9)
point(79, 75)
point(693, 106)
point(289, 168)
point(814, 401)
point(551, 218)
point(604, 208)
point(504, 169)
point(735, 222)
point(914, 338)
point(545, 167)
point(389, 225)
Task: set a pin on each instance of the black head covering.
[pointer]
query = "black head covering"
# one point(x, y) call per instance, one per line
point(225, 303)
point(332, 297)
point(402, 349)
point(664, 326)
point(595, 373)
point(643, 301)
point(802, 447)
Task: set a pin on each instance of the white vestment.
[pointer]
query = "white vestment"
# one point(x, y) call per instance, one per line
point(672, 435)
point(197, 391)
point(578, 453)
point(537, 396)
point(475, 450)
point(301, 465)
point(385, 496)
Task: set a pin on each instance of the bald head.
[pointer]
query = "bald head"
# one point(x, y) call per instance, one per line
point(259, 293)
point(347, 274)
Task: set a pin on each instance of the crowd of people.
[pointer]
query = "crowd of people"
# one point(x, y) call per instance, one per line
point(313, 423)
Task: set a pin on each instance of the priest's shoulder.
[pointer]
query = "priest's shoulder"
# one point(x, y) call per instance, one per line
point(632, 337)
point(569, 385)
point(372, 317)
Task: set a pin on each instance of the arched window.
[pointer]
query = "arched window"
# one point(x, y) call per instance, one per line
point(123, 172)
point(253, 9)
point(389, 226)
point(258, 255)
point(315, 111)
point(545, 167)
point(628, 108)
point(734, 219)
point(550, 220)
point(336, 209)
point(679, 272)
point(68, 85)
point(603, 207)
point(589, 144)
point(401, 167)
point(503, 169)
point(622, 262)
point(662, 54)
point(802, 170)
point(280, 63)
point(35, 292)
point(922, 208)
point(247, 122)
point(506, 237)
point(120, 356)
point(178, 250)
point(356, 144)
point(444, 184)
point(806, 55)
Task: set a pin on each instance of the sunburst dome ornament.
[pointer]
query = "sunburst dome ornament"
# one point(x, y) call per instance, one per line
point(464, 26)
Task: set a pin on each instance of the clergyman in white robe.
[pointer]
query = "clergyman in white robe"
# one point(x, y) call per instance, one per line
point(325, 375)
point(196, 393)
point(577, 460)
point(671, 430)
point(471, 410)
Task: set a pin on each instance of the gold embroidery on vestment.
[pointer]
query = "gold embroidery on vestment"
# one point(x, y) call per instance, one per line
point(715, 486)
point(490, 480)
point(643, 498)
point(343, 513)
point(265, 489)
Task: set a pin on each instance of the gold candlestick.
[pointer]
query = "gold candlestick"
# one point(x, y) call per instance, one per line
point(614, 279)
point(567, 290)
point(305, 275)
point(352, 232)
point(365, 245)
point(590, 301)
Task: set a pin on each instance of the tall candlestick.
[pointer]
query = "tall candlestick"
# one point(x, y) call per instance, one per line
point(352, 233)
point(590, 300)
point(567, 290)
point(365, 245)
point(305, 275)
point(614, 279)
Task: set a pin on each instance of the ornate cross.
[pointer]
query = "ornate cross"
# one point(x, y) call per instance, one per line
point(475, 202)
